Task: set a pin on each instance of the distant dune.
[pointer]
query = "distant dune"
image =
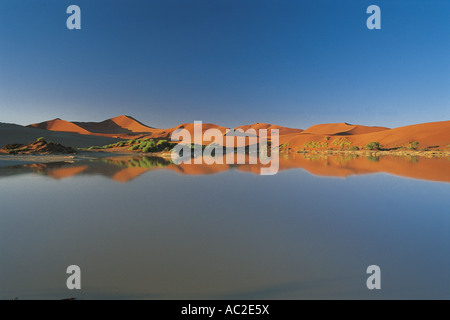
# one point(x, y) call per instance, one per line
point(60, 125)
point(167, 133)
point(267, 126)
point(124, 127)
point(342, 129)
point(118, 125)
point(318, 137)
point(12, 133)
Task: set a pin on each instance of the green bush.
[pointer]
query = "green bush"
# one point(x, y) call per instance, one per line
point(353, 148)
point(151, 144)
point(132, 142)
point(413, 145)
point(342, 142)
point(163, 145)
point(135, 147)
point(373, 145)
point(120, 144)
point(41, 139)
point(316, 144)
point(162, 142)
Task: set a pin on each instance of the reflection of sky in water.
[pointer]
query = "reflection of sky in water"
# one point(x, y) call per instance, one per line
point(229, 235)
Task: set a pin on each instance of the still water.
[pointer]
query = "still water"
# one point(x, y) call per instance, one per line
point(142, 228)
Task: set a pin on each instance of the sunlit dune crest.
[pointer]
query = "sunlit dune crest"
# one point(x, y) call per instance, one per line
point(131, 124)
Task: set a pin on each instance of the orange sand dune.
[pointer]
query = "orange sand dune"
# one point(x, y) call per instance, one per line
point(427, 134)
point(297, 141)
point(258, 126)
point(60, 125)
point(124, 127)
point(120, 124)
point(342, 128)
point(205, 126)
point(131, 124)
point(167, 133)
point(322, 136)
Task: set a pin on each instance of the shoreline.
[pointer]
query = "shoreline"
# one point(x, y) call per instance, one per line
point(7, 160)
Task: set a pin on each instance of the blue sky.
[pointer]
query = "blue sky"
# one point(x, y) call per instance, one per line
point(289, 62)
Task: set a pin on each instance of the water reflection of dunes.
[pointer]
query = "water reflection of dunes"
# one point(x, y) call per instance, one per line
point(124, 169)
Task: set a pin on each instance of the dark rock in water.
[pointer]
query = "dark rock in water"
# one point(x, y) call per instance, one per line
point(38, 147)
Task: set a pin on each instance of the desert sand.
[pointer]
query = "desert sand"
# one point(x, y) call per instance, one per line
point(321, 137)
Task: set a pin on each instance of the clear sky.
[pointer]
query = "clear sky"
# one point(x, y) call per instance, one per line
point(231, 62)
